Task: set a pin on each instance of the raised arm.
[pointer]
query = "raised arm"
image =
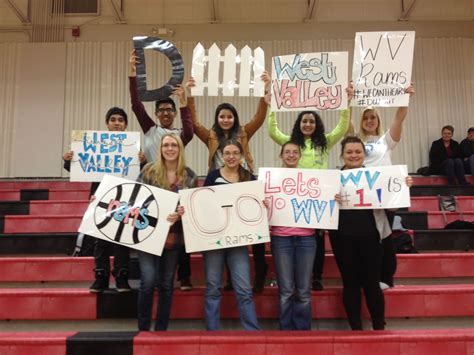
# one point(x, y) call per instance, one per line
point(145, 121)
point(187, 132)
point(340, 130)
point(257, 121)
point(278, 136)
point(200, 131)
point(397, 124)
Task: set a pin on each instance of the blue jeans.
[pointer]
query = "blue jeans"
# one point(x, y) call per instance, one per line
point(156, 271)
point(294, 258)
point(454, 168)
point(239, 267)
point(469, 165)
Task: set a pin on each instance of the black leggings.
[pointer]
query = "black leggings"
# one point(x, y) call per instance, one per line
point(360, 262)
point(318, 265)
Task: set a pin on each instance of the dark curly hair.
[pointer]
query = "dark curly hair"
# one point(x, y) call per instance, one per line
point(234, 131)
point(318, 138)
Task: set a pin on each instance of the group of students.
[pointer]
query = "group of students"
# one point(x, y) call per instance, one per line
point(364, 254)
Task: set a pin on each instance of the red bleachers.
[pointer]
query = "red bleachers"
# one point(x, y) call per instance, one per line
point(413, 342)
point(9, 195)
point(436, 180)
point(438, 220)
point(42, 224)
point(399, 342)
point(430, 203)
point(37, 343)
point(401, 301)
point(29, 269)
point(38, 208)
point(44, 184)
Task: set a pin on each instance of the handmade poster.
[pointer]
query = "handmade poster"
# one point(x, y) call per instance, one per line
point(130, 214)
point(301, 197)
point(382, 67)
point(234, 73)
point(141, 43)
point(310, 81)
point(224, 216)
point(97, 153)
point(375, 188)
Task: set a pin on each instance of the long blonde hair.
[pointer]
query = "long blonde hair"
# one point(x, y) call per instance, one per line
point(156, 173)
point(362, 134)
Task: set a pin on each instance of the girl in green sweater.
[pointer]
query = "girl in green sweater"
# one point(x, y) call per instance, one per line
point(308, 132)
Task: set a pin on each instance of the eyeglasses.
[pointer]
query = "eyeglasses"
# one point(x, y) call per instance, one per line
point(167, 110)
point(231, 154)
point(170, 145)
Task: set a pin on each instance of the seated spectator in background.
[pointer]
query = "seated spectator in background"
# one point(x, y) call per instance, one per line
point(445, 157)
point(467, 151)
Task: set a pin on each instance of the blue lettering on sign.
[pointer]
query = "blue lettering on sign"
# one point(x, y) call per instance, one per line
point(371, 179)
point(319, 207)
point(351, 177)
point(126, 213)
point(89, 145)
point(104, 163)
point(305, 207)
point(314, 70)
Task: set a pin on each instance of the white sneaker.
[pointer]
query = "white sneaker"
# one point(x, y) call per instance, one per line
point(383, 286)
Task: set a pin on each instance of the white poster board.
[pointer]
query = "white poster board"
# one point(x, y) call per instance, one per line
point(301, 197)
point(97, 153)
point(375, 188)
point(224, 216)
point(310, 81)
point(382, 67)
point(130, 214)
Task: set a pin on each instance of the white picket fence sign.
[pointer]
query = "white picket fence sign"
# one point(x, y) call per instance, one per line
point(250, 69)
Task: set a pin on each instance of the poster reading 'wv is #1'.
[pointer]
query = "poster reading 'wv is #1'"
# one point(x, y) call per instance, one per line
point(97, 153)
point(375, 188)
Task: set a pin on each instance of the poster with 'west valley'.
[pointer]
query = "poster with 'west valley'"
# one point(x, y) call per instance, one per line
point(97, 153)
point(301, 197)
point(224, 216)
point(309, 81)
point(130, 214)
point(382, 68)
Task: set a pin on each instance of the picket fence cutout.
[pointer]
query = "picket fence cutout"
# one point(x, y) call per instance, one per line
point(216, 74)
